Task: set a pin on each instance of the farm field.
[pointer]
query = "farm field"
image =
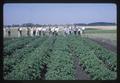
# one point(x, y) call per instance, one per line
point(57, 58)
point(106, 38)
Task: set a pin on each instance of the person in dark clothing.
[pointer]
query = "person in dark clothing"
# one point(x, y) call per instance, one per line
point(34, 32)
point(75, 31)
point(50, 31)
point(70, 32)
point(39, 32)
point(20, 31)
point(44, 31)
point(79, 31)
point(9, 32)
point(28, 31)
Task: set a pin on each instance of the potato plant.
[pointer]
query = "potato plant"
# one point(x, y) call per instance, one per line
point(52, 58)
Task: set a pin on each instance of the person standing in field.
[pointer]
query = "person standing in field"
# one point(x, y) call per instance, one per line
point(56, 31)
point(4, 29)
point(52, 30)
point(19, 32)
point(83, 29)
point(79, 31)
point(75, 30)
point(66, 31)
point(9, 32)
point(28, 31)
point(70, 30)
point(31, 31)
point(43, 31)
point(49, 30)
point(34, 31)
point(39, 31)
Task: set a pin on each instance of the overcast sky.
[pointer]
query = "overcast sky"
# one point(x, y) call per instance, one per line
point(48, 13)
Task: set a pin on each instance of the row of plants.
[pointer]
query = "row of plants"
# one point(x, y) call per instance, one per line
point(8, 50)
point(90, 62)
point(9, 41)
point(18, 55)
point(108, 58)
point(31, 66)
point(46, 58)
point(60, 66)
point(53, 54)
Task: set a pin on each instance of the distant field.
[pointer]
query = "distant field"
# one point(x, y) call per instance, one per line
point(100, 31)
point(102, 27)
point(109, 35)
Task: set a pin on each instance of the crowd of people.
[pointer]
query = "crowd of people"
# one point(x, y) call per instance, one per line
point(50, 30)
point(75, 30)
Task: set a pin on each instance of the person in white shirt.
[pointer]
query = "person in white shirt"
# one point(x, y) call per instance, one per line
point(75, 30)
point(19, 32)
point(81, 32)
point(83, 29)
point(70, 30)
point(28, 31)
point(66, 31)
point(56, 30)
point(34, 31)
point(43, 31)
point(4, 29)
point(31, 29)
point(53, 30)
point(39, 31)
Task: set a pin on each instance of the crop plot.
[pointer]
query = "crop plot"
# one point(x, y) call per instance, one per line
point(57, 58)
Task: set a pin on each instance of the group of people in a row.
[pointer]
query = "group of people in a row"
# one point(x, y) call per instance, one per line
point(42, 31)
point(75, 30)
point(51, 31)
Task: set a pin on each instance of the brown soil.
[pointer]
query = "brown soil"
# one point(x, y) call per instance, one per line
point(80, 74)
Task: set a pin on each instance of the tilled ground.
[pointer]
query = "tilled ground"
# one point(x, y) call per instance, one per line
point(79, 73)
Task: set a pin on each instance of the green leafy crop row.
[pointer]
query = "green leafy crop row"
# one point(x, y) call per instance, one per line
point(103, 54)
point(27, 58)
point(90, 62)
point(29, 68)
point(18, 55)
point(16, 45)
point(7, 42)
point(60, 66)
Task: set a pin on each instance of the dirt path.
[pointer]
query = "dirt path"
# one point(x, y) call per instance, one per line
point(105, 43)
point(47, 55)
point(79, 73)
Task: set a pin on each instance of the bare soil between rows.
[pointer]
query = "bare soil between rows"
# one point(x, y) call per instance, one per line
point(80, 74)
point(105, 43)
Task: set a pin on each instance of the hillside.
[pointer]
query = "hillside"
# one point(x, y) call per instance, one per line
point(96, 24)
